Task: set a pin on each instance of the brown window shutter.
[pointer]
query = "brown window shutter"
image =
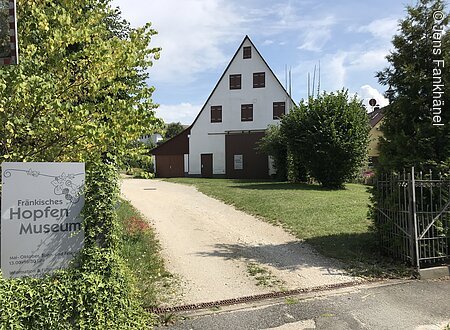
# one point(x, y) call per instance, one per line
point(235, 81)
point(247, 53)
point(279, 109)
point(246, 112)
point(259, 79)
point(216, 114)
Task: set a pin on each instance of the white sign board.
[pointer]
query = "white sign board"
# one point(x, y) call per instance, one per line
point(40, 217)
point(238, 162)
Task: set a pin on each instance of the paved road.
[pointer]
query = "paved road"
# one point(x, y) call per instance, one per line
point(411, 305)
point(211, 245)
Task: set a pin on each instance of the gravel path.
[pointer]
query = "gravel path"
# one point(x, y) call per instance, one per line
point(211, 245)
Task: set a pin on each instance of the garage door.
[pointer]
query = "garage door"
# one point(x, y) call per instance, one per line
point(169, 166)
point(243, 161)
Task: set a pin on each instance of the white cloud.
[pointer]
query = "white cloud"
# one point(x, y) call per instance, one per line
point(339, 69)
point(183, 112)
point(334, 71)
point(317, 33)
point(370, 59)
point(314, 40)
point(383, 28)
point(367, 92)
point(191, 34)
point(267, 42)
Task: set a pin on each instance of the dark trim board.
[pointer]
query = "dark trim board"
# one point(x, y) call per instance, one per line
point(178, 145)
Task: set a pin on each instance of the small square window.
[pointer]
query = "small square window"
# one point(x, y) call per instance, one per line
point(279, 109)
point(247, 53)
point(216, 114)
point(247, 112)
point(259, 80)
point(235, 81)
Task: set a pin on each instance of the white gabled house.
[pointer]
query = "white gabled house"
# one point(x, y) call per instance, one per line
point(222, 139)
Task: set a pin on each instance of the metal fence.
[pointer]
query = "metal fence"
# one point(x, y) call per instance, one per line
point(412, 216)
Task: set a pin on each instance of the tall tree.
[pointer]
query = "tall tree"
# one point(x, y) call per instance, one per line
point(416, 125)
point(173, 129)
point(80, 88)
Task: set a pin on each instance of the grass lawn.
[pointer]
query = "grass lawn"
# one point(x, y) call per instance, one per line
point(140, 250)
point(333, 221)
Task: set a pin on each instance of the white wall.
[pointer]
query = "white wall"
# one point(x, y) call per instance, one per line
point(206, 144)
point(186, 163)
point(201, 139)
point(154, 138)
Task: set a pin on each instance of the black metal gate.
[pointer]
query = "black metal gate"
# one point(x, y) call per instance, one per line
point(412, 216)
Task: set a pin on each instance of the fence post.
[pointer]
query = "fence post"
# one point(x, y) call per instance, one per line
point(414, 219)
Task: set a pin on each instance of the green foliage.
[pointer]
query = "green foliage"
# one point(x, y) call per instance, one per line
point(409, 137)
point(141, 174)
point(78, 94)
point(274, 145)
point(296, 167)
point(80, 88)
point(139, 161)
point(101, 197)
point(328, 136)
point(97, 291)
point(97, 298)
point(264, 276)
point(173, 129)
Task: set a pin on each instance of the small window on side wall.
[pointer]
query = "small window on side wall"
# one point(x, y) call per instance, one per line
point(216, 114)
point(259, 80)
point(247, 112)
point(279, 109)
point(247, 52)
point(235, 81)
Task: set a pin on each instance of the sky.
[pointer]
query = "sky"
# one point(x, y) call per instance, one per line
point(349, 38)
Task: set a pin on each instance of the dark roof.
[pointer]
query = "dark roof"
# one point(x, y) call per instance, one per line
point(375, 116)
point(228, 66)
point(179, 144)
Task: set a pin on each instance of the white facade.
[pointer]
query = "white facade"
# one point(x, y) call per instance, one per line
point(207, 137)
point(153, 138)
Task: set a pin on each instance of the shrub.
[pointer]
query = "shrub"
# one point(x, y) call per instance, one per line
point(329, 135)
point(274, 145)
point(138, 156)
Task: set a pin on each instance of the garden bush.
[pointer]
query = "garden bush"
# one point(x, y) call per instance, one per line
point(329, 135)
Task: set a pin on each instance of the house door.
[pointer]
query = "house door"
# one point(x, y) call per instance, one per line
point(207, 164)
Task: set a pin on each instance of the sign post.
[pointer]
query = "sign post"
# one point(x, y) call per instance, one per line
point(40, 217)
